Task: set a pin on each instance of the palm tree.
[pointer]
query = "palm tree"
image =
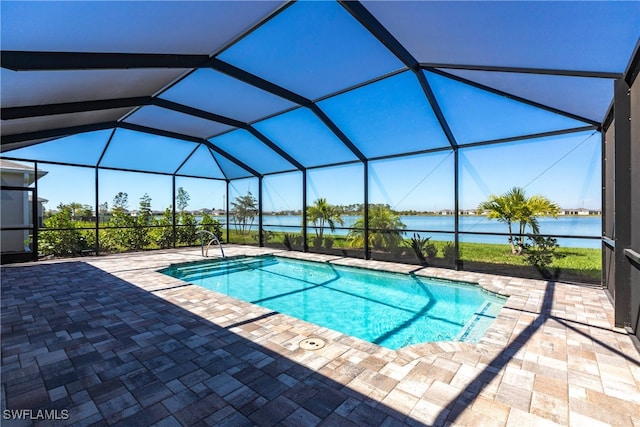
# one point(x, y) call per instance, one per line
point(322, 213)
point(505, 208)
point(514, 206)
point(384, 226)
point(75, 210)
point(245, 209)
point(535, 206)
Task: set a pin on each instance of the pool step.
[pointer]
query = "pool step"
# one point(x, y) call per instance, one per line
point(217, 268)
point(211, 272)
point(480, 321)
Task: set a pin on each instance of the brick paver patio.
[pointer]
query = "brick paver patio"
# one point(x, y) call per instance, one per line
point(113, 342)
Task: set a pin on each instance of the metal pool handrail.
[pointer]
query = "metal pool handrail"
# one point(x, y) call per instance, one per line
point(214, 238)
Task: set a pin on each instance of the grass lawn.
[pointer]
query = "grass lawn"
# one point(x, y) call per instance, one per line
point(576, 262)
point(581, 261)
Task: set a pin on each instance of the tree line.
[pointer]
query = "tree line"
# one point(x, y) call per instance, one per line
point(127, 231)
point(69, 233)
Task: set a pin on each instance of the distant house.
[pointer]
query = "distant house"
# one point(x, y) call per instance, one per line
point(16, 205)
point(580, 211)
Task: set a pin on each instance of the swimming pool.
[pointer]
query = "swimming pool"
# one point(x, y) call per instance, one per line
point(389, 309)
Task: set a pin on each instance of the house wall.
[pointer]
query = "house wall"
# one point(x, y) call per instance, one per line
point(14, 211)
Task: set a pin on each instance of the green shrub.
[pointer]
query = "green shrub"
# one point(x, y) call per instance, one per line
point(139, 235)
point(212, 225)
point(449, 253)
point(430, 251)
point(68, 241)
point(423, 248)
point(267, 236)
point(163, 235)
point(540, 251)
point(298, 241)
point(328, 242)
point(186, 232)
point(317, 242)
point(121, 233)
point(287, 241)
point(107, 243)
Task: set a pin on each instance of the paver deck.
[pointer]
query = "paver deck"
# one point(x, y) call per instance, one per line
point(111, 341)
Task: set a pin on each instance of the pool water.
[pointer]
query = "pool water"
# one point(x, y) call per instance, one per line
point(389, 309)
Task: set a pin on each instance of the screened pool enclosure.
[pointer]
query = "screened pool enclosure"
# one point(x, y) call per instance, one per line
point(368, 129)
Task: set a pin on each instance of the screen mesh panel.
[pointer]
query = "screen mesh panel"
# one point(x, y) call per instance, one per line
point(313, 49)
point(387, 117)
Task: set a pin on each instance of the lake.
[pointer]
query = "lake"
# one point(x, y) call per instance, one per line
point(562, 225)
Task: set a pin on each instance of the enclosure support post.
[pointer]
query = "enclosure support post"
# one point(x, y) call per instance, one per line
point(365, 213)
point(456, 191)
point(305, 246)
point(260, 232)
point(34, 213)
point(622, 201)
point(173, 208)
point(97, 210)
point(604, 215)
point(226, 209)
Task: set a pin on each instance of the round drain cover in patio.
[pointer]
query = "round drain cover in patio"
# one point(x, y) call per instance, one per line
point(312, 344)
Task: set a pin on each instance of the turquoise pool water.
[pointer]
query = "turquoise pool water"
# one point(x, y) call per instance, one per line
point(389, 309)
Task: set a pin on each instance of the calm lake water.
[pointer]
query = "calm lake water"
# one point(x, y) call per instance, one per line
point(563, 225)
